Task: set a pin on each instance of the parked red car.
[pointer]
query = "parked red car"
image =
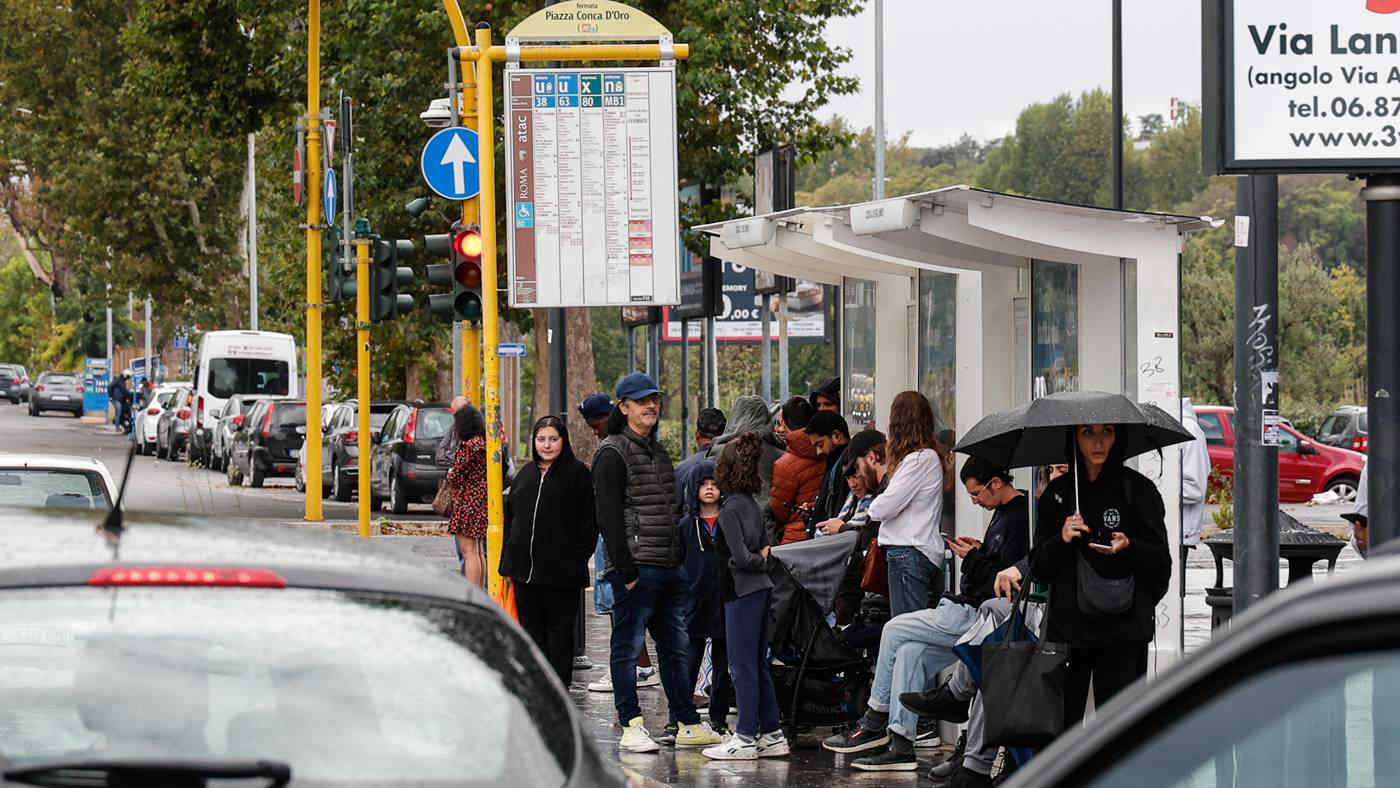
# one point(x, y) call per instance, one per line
point(1305, 467)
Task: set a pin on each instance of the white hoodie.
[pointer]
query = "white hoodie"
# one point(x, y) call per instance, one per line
point(1195, 476)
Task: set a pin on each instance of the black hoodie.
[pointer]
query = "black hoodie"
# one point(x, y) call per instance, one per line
point(550, 532)
point(1121, 499)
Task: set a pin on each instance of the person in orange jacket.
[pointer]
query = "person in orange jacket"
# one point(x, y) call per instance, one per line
point(797, 475)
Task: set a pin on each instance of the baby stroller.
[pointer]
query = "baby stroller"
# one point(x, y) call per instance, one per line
point(818, 677)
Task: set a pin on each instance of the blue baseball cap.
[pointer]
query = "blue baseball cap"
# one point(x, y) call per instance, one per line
point(636, 386)
point(595, 406)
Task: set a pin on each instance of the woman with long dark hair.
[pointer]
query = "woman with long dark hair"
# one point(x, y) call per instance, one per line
point(911, 506)
point(1101, 544)
point(467, 519)
point(549, 535)
point(747, 590)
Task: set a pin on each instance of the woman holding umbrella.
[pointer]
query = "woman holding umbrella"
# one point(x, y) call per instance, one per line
point(1100, 537)
point(1102, 547)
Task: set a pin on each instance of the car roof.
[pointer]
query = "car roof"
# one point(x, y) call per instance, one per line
point(43, 547)
point(1358, 598)
point(64, 462)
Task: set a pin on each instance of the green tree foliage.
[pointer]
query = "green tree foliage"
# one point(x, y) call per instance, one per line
point(846, 174)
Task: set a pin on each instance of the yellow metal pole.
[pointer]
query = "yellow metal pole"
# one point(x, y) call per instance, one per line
point(313, 261)
point(492, 399)
point(362, 377)
point(471, 362)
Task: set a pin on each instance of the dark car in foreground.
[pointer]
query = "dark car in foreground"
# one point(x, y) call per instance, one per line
point(57, 391)
point(265, 652)
point(402, 468)
point(1304, 690)
point(267, 442)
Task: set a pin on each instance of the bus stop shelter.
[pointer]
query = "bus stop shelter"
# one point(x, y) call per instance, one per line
point(981, 301)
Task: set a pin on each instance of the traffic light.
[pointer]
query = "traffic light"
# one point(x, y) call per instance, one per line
point(340, 284)
point(387, 276)
point(462, 247)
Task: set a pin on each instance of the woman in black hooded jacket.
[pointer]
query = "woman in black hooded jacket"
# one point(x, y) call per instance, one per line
point(549, 536)
point(1106, 558)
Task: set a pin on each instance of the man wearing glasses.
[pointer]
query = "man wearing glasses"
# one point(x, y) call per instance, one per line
point(635, 493)
point(915, 646)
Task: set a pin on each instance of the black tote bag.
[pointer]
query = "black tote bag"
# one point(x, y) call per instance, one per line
point(1023, 685)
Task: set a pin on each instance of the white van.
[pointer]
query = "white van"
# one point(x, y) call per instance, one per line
point(261, 363)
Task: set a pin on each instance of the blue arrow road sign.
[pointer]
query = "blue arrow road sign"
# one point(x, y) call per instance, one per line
point(516, 349)
point(328, 198)
point(449, 164)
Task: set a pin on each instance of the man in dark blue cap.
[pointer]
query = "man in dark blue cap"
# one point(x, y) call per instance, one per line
point(637, 513)
point(595, 410)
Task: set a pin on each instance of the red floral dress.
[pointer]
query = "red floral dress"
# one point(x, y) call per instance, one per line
point(468, 475)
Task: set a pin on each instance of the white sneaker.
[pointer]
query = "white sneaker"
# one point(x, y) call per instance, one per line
point(636, 739)
point(648, 677)
point(772, 745)
point(734, 748)
point(602, 684)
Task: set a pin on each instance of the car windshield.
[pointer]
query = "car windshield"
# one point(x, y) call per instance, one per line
point(53, 487)
point(164, 398)
point(1365, 424)
point(383, 690)
point(61, 380)
point(433, 423)
point(1336, 424)
point(376, 420)
point(229, 376)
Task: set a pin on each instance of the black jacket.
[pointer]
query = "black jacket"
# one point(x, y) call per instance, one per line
point(549, 531)
point(1120, 495)
point(834, 488)
point(1007, 541)
point(744, 535)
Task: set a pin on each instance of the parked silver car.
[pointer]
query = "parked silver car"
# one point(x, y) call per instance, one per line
point(57, 391)
point(173, 428)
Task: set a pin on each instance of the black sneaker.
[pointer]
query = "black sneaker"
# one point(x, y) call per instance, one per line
point(938, 702)
point(668, 735)
point(887, 761)
point(927, 734)
point(859, 739)
point(946, 769)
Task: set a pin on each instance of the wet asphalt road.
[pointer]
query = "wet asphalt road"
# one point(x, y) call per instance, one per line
point(175, 487)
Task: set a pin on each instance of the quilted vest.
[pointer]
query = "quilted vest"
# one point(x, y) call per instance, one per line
point(650, 512)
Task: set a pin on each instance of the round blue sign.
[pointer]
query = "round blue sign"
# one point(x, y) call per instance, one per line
point(449, 164)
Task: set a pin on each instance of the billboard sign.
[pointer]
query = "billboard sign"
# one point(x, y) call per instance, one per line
point(1301, 86)
point(740, 317)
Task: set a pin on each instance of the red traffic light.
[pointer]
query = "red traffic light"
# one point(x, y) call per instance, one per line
point(468, 274)
point(468, 244)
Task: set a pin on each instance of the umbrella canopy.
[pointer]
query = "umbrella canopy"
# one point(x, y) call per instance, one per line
point(1037, 433)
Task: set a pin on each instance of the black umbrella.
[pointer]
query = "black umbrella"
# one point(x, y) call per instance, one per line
point(1037, 433)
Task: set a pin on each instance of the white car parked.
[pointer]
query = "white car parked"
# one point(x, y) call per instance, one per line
point(55, 480)
point(148, 417)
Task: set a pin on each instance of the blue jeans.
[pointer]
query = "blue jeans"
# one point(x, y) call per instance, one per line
point(911, 575)
point(746, 634)
point(657, 603)
point(914, 647)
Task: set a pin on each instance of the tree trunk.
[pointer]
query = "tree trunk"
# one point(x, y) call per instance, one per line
point(541, 399)
point(583, 380)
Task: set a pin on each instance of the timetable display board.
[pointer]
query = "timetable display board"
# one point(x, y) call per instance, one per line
point(591, 168)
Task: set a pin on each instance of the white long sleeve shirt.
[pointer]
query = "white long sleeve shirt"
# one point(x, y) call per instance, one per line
point(910, 508)
point(1195, 477)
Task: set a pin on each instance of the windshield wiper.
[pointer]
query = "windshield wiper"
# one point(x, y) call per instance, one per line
point(148, 772)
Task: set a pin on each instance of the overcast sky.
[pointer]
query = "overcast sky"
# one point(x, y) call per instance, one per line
point(955, 67)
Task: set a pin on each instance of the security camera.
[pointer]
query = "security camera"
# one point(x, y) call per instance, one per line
point(438, 115)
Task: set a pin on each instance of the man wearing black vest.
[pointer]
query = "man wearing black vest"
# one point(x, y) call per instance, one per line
point(637, 514)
